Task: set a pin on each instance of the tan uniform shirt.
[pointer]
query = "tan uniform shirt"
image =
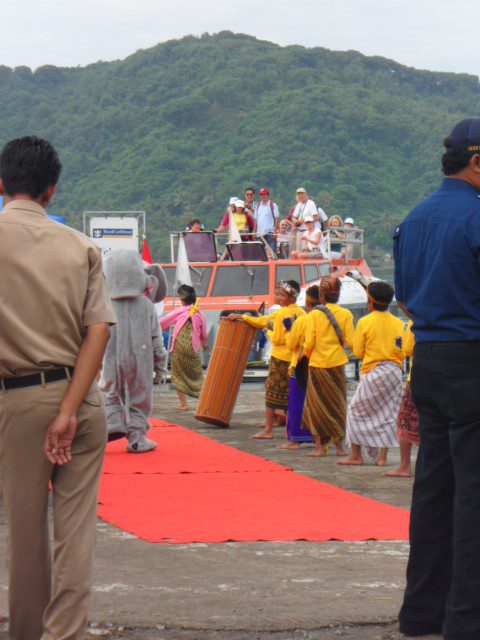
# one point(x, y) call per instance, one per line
point(51, 288)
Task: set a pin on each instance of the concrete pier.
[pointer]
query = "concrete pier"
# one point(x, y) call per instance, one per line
point(261, 590)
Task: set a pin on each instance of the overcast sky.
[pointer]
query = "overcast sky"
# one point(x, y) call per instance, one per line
point(440, 35)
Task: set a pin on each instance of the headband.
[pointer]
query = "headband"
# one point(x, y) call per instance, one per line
point(329, 286)
point(288, 289)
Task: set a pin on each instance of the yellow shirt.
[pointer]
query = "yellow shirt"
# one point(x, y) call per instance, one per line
point(295, 338)
point(378, 337)
point(408, 345)
point(240, 221)
point(321, 342)
point(278, 333)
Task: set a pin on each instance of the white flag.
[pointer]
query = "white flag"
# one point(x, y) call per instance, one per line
point(233, 232)
point(182, 274)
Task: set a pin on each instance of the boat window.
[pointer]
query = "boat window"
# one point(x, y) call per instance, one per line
point(201, 279)
point(170, 275)
point(324, 269)
point(241, 280)
point(288, 272)
point(311, 272)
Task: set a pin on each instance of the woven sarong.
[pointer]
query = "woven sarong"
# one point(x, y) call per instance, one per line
point(187, 375)
point(276, 388)
point(296, 401)
point(326, 403)
point(407, 421)
point(372, 415)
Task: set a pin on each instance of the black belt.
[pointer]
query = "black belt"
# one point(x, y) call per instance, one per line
point(53, 375)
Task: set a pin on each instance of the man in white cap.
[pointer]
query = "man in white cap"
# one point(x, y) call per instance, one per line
point(305, 207)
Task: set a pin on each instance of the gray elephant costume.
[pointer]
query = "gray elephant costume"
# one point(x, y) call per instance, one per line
point(135, 349)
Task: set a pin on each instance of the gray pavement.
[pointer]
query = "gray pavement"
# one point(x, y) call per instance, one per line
point(264, 590)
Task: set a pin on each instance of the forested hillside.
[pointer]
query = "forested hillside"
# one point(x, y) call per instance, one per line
point(177, 129)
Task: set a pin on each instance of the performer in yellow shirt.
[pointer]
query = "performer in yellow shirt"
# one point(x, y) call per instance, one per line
point(276, 394)
point(328, 329)
point(407, 421)
point(372, 415)
point(298, 374)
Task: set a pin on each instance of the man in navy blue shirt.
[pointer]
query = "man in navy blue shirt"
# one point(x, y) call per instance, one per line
point(437, 283)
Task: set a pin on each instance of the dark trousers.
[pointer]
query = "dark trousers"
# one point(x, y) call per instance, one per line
point(443, 574)
point(271, 241)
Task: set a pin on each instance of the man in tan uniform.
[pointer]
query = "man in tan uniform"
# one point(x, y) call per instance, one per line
point(54, 325)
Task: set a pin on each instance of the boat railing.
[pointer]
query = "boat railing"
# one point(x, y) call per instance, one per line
point(350, 241)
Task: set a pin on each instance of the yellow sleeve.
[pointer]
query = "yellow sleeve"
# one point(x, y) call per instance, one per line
point(294, 337)
point(278, 334)
point(349, 332)
point(269, 334)
point(310, 333)
point(259, 322)
point(359, 342)
point(408, 340)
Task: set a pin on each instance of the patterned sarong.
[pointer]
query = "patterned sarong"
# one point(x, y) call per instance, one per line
point(187, 374)
point(296, 401)
point(407, 421)
point(326, 403)
point(276, 388)
point(372, 415)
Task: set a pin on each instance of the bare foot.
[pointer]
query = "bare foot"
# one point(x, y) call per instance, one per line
point(316, 453)
point(260, 426)
point(181, 408)
point(381, 463)
point(340, 452)
point(290, 445)
point(351, 461)
point(263, 435)
point(399, 472)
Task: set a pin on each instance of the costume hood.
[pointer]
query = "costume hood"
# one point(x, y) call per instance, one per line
point(124, 274)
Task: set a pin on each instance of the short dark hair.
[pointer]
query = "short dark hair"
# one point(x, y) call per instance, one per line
point(187, 294)
point(382, 292)
point(454, 160)
point(294, 284)
point(313, 292)
point(249, 189)
point(332, 298)
point(192, 222)
point(29, 165)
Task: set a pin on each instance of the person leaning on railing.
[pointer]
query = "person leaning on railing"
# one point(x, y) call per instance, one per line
point(336, 247)
point(242, 217)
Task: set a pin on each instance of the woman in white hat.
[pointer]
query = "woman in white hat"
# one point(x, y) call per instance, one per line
point(242, 217)
point(311, 241)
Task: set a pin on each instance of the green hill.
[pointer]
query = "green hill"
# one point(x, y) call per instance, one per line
point(177, 129)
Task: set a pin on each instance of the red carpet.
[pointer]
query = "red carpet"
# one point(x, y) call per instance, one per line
point(181, 450)
point(172, 496)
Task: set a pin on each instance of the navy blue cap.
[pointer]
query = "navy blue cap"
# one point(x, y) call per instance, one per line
point(465, 136)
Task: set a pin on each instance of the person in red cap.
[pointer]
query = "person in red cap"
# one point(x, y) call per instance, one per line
point(266, 219)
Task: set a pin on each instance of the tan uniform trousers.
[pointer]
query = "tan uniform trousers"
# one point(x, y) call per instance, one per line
point(49, 597)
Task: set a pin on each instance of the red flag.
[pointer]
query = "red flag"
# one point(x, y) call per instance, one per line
point(146, 255)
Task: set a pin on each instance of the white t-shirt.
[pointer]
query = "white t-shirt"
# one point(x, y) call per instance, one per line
point(322, 214)
point(304, 209)
point(314, 236)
